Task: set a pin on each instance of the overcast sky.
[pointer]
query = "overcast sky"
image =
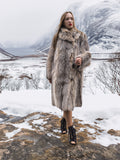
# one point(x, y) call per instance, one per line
point(25, 21)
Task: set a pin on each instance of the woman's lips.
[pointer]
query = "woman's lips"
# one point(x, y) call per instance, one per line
point(70, 24)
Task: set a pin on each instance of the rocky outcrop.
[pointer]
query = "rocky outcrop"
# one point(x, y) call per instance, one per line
point(114, 132)
point(37, 137)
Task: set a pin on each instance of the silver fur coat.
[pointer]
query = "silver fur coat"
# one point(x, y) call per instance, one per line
point(66, 77)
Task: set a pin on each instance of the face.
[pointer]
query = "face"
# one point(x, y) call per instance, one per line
point(68, 21)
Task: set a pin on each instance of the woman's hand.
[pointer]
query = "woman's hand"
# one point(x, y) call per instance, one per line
point(78, 61)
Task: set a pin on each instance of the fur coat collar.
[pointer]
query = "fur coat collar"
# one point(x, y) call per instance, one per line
point(69, 35)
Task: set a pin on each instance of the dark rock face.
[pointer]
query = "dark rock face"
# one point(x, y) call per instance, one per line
point(43, 141)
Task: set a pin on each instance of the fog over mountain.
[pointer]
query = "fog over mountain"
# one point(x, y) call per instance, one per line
point(100, 21)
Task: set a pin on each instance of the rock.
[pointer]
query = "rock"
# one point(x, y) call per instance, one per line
point(41, 139)
point(114, 132)
point(4, 116)
point(5, 128)
point(99, 119)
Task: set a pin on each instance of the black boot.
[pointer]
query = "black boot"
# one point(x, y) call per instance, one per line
point(72, 135)
point(63, 126)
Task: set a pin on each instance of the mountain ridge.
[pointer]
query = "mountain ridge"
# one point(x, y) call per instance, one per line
point(100, 21)
point(5, 55)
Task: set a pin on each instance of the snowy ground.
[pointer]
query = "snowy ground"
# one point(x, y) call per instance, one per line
point(104, 106)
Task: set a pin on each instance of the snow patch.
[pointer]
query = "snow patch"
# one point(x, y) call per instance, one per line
point(103, 106)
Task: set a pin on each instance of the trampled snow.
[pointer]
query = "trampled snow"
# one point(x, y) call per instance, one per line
point(19, 126)
point(104, 106)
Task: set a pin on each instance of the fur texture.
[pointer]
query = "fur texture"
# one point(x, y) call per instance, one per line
point(66, 80)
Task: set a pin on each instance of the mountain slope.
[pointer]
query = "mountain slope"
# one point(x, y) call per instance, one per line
point(100, 21)
point(101, 24)
point(5, 55)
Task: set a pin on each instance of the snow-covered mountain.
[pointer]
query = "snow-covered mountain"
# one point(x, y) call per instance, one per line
point(23, 51)
point(100, 21)
point(5, 55)
point(101, 24)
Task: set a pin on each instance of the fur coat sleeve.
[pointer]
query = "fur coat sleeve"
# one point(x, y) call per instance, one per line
point(49, 63)
point(85, 54)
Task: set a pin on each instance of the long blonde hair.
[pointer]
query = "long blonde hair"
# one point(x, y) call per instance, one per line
point(61, 24)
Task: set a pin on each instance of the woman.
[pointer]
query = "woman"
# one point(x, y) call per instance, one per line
point(68, 56)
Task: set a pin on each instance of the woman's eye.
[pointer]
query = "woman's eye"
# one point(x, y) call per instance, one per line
point(68, 19)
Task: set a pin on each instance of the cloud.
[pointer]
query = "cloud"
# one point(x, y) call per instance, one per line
point(24, 21)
